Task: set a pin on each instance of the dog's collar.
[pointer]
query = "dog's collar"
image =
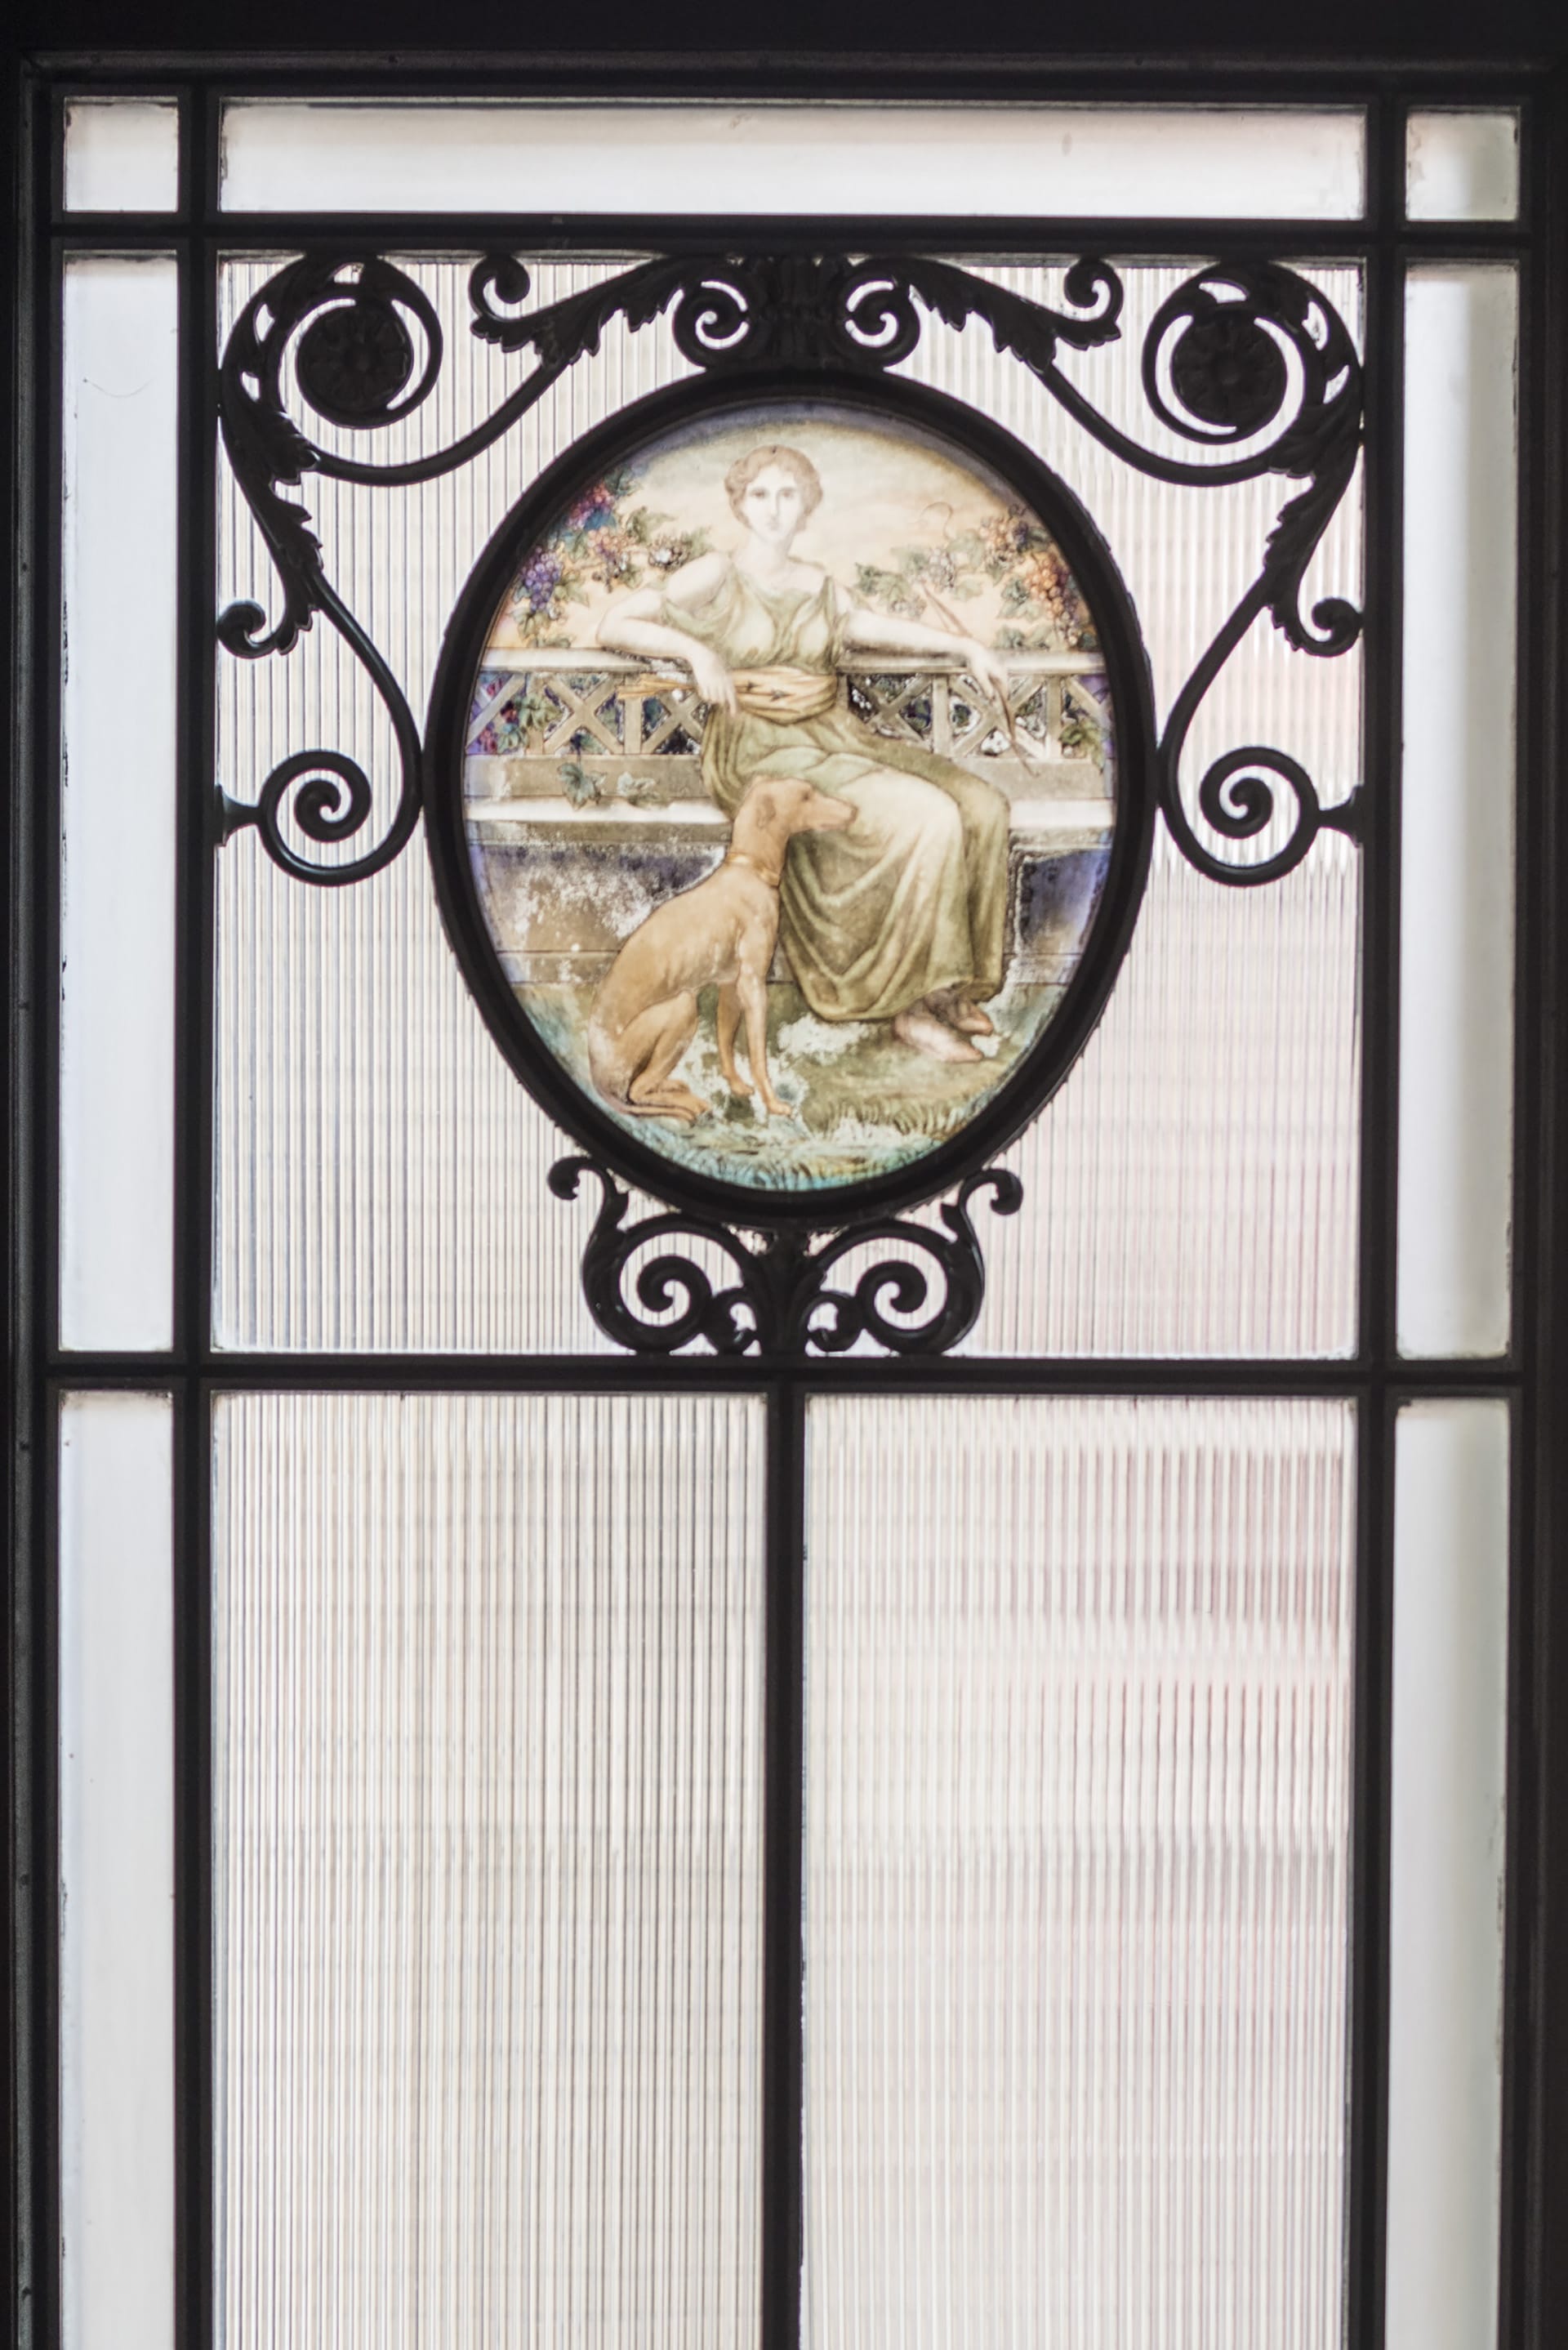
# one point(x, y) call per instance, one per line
point(739, 857)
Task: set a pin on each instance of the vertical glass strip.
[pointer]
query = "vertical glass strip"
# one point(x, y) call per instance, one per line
point(117, 1872)
point(117, 850)
point(1456, 1027)
point(487, 1860)
point(1078, 1687)
point(1446, 1913)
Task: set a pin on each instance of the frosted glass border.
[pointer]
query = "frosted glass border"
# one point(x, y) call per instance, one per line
point(122, 155)
point(117, 1872)
point(1445, 1899)
point(1462, 167)
point(1457, 919)
point(718, 159)
point(117, 794)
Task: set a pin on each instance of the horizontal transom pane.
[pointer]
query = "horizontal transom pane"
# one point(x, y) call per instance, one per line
point(716, 160)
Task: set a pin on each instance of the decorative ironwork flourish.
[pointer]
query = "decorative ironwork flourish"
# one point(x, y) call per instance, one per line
point(781, 1300)
point(1246, 359)
point(355, 360)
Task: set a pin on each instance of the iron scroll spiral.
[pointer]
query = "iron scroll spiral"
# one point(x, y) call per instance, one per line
point(1246, 362)
point(354, 331)
point(781, 1300)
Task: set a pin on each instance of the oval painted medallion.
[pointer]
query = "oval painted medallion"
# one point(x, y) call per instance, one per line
point(798, 824)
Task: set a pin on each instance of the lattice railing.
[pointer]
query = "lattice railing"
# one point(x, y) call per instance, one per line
point(552, 705)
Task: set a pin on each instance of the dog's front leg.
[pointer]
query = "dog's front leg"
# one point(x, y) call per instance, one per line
point(725, 1025)
point(753, 989)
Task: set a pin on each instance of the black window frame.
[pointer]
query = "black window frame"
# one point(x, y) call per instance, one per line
point(1531, 1376)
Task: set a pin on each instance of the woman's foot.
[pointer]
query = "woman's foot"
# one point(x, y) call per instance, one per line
point(926, 1034)
point(953, 1007)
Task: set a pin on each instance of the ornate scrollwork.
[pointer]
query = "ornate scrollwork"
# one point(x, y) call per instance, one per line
point(779, 1301)
point(356, 361)
point(1245, 364)
point(1247, 361)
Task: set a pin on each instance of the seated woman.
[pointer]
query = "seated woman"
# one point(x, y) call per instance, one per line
point(902, 916)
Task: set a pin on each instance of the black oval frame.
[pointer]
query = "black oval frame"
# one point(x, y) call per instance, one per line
point(1042, 1069)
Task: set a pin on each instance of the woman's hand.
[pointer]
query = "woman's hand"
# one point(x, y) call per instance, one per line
point(986, 670)
point(714, 682)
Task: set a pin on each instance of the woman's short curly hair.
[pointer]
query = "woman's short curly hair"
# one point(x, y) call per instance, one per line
point(744, 472)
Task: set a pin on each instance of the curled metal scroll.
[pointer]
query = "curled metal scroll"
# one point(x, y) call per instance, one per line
point(354, 331)
point(657, 1299)
point(1246, 360)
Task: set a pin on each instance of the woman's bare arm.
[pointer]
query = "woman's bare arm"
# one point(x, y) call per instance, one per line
point(884, 632)
point(630, 625)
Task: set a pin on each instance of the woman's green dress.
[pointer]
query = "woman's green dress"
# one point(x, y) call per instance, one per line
point(909, 898)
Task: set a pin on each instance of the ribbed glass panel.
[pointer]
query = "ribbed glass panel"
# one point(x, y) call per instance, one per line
point(487, 1815)
point(381, 1171)
point(1187, 554)
point(1078, 1687)
point(1192, 1188)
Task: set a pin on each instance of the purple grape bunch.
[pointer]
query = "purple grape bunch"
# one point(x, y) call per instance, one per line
point(542, 575)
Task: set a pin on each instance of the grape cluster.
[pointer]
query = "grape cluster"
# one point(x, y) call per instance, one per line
point(1050, 586)
point(1008, 535)
point(540, 579)
point(941, 570)
point(609, 555)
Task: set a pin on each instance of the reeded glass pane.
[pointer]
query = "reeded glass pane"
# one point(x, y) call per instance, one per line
point(117, 1871)
point(1078, 1693)
point(1457, 832)
point(1447, 1860)
point(118, 847)
point(487, 1722)
point(1192, 1188)
point(381, 1173)
point(1462, 167)
point(122, 155)
point(721, 161)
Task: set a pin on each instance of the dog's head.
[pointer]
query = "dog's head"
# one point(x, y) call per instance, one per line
point(776, 806)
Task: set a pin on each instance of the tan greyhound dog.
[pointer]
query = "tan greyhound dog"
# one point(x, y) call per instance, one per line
point(721, 933)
